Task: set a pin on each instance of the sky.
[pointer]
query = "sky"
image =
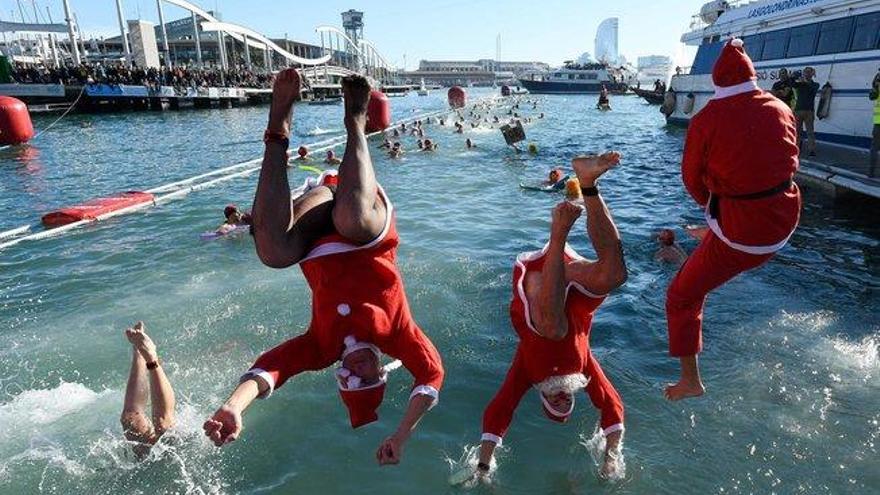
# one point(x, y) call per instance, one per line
point(545, 30)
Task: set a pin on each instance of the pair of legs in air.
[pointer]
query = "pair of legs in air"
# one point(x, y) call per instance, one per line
point(285, 230)
point(146, 382)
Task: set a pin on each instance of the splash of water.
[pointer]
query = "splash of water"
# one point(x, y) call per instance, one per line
point(595, 446)
point(463, 472)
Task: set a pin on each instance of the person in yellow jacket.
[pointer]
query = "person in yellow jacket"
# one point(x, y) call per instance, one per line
point(875, 141)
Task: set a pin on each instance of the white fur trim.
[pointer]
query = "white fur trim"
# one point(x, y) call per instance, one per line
point(353, 382)
point(554, 412)
point(563, 383)
point(736, 43)
point(722, 92)
point(344, 247)
point(756, 250)
point(352, 345)
point(260, 373)
point(426, 390)
point(489, 437)
point(611, 429)
point(521, 260)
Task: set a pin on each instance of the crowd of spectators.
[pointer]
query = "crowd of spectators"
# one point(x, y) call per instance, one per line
point(179, 77)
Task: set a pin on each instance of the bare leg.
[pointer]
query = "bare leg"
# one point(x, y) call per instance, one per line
point(136, 426)
point(161, 393)
point(359, 213)
point(689, 384)
point(279, 244)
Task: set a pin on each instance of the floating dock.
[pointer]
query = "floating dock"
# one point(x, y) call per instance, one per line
point(841, 171)
point(117, 97)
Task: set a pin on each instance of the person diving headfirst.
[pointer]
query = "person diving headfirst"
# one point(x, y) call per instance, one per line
point(555, 294)
point(340, 229)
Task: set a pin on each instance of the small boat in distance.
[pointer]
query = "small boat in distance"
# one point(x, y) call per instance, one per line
point(578, 79)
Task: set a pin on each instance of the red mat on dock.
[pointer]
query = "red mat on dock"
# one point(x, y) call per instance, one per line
point(91, 210)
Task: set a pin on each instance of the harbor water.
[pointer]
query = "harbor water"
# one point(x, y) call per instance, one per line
point(791, 350)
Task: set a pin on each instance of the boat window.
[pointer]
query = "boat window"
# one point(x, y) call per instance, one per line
point(775, 44)
point(834, 36)
point(753, 46)
point(867, 32)
point(706, 57)
point(803, 41)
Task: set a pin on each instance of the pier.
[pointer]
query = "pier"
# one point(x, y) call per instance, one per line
point(840, 171)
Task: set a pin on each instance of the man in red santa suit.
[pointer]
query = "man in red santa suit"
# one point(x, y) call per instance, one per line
point(340, 229)
point(739, 162)
point(555, 294)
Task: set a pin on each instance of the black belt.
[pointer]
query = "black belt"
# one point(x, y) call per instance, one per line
point(715, 205)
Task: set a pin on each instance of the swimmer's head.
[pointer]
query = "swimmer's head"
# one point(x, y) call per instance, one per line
point(396, 146)
point(229, 211)
point(428, 143)
point(302, 151)
point(533, 148)
point(331, 155)
point(469, 143)
point(555, 175)
point(421, 144)
point(557, 395)
point(666, 237)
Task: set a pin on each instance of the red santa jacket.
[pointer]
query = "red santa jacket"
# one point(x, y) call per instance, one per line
point(743, 145)
point(356, 291)
point(538, 358)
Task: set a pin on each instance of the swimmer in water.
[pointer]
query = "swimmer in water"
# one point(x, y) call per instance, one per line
point(234, 218)
point(604, 103)
point(396, 150)
point(340, 228)
point(470, 144)
point(670, 251)
point(396, 133)
point(146, 383)
point(420, 144)
point(556, 179)
point(331, 158)
point(430, 145)
point(303, 154)
point(386, 144)
point(556, 292)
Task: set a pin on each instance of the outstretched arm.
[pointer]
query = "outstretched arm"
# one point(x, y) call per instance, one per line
point(391, 449)
point(276, 245)
point(608, 272)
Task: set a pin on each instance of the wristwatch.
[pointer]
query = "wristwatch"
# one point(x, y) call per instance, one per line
point(153, 365)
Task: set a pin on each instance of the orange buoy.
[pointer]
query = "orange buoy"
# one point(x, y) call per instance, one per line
point(15, 121)
point(505, 90)
point(378, 112)
point(457, 97)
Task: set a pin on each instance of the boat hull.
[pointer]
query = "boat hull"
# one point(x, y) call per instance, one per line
point(559, 87)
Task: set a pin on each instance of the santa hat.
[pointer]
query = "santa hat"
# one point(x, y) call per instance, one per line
point(734, 72)
point(361, 401)
point(561, 383)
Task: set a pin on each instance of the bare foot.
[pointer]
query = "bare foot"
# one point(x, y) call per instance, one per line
point(684, 389)
point(142, 342)
point(589, 168)
point(285, 91)
point(356, 91)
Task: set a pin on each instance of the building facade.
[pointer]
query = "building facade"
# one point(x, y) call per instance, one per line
point(606, 41)
point(483, 72)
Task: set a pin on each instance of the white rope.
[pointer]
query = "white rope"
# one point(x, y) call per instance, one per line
point(184, 191)
point(71, 107)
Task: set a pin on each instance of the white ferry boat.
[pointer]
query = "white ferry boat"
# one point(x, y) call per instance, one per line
point(839, 38)
point(577, 78)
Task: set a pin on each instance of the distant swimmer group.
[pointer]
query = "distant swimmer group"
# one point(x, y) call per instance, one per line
point(340, 228)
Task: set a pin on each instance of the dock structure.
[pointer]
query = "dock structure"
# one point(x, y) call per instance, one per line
point(840, 171)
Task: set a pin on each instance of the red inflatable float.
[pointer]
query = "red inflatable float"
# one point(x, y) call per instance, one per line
point(457, 97)
point(91, 210)
point(15, 121)
point(378, 112)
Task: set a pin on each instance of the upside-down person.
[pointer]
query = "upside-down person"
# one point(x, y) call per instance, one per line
point(555, 294)
point(341, 231)
point(739, 161)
